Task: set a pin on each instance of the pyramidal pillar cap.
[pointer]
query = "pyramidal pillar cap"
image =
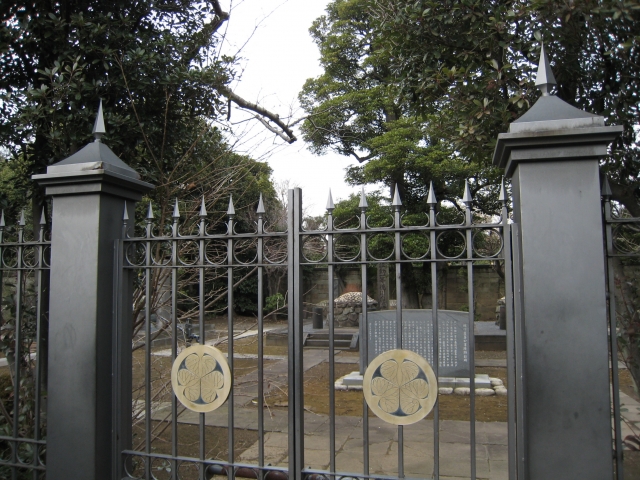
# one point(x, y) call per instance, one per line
point(94, 168)
point(552, 129)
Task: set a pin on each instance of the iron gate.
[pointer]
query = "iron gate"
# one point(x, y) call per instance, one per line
point(177, 270)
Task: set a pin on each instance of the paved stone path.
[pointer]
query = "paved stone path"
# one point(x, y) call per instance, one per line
point(454, 451)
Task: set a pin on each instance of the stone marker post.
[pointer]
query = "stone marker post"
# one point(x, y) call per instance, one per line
point(89, 191)
point(551, 155)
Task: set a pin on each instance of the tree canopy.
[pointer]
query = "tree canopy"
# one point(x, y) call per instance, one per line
point(420, 90)
point(156, 66)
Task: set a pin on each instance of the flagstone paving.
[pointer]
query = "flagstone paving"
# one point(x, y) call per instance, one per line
point(419, 452)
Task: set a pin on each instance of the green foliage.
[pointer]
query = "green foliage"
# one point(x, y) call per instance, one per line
point(468, 67)
point(152, 63)
point(274, 302)
point(419, 91)
point(354, 109)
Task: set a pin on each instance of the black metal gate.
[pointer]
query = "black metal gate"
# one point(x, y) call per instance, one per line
point(176, 277)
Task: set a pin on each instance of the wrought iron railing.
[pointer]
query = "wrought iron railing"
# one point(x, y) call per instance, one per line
point(186, 262)
point(24, 279)
point(622, 246)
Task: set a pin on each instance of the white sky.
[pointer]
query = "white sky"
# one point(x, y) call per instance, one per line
point(277, 59)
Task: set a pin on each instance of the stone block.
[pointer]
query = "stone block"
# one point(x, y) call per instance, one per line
point(445, 382)
point(352, 379)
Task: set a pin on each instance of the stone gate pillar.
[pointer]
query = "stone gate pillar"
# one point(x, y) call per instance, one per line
point(551, 155)
point(89, 191)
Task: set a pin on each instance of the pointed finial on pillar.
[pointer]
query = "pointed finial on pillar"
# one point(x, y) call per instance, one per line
point(22, 222)
point(2, 224)
point(203, 209)
point(98, 126)
point(431, 198)
point(260, 210)
point(363, 200)
point(330, 205)
point(43, 218)
point(125, 215)
point(606, 188)
point(466, 198)
point(544, 79)
point(231, 211)
point(396, 198)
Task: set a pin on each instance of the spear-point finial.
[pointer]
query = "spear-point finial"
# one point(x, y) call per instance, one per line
point(606, 188)
point(43, 218)
point(203, 209)
point(503, 195)
point(231, 211)
point(22, 223)
point(363, 199)
point(466, 198)
point(431, 198)
point(125, 215)
point(396, 198)
point(544, 79)
point(2, 224)
point(176, 210)
point(330, 205)
point(260, 210)
point(98, 126)
point(150, 212)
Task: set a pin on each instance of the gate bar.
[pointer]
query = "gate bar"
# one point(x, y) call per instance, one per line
point(471, 339)
point(613, 337)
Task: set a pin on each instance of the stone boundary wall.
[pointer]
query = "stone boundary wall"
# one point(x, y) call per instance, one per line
point(453, 294)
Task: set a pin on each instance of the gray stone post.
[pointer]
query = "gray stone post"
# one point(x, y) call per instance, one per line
point(551, 155)
point(89, 191)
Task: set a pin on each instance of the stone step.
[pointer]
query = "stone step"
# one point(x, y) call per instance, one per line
point(341, 341)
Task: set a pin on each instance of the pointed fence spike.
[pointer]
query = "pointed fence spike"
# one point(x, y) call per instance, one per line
point(125, 215)
point(150, 212)
point(544, 78)
point(2, 224)
point(466, 198)
point(431, 198)
point(363, 199)
point(22, 222)
point(231, 210)
point(43, 218)
point(396, 198)
point(330, 205)
point(203, 209)
point(176, 210)
point(503, 195)
point(260, 210)
point(606, 188)
point(98, 127)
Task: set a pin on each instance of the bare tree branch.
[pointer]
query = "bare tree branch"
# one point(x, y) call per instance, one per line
point(287, 134)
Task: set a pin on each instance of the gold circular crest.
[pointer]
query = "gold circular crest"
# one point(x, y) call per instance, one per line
point(400, 387)
point(201, 378)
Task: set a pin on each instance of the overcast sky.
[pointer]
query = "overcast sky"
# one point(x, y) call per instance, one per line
point(278, 57)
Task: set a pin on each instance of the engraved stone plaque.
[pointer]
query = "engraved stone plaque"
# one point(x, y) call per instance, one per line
point(201, 378)
point(417, 336)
